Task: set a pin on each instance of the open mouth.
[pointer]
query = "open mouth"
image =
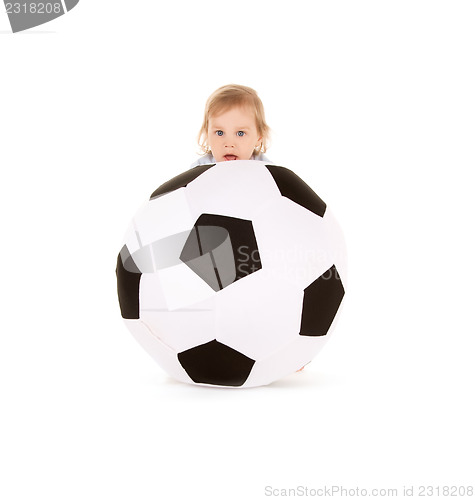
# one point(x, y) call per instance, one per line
point(230, 157)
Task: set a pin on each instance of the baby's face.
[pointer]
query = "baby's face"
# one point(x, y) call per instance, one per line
point(232, 135)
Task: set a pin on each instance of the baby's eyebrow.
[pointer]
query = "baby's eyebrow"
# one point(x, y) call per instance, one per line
point(217, 127)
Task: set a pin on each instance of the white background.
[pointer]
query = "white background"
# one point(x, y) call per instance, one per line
point(371, 103)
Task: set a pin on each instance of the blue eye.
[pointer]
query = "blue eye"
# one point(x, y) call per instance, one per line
point(240, 133)
point(219, 132)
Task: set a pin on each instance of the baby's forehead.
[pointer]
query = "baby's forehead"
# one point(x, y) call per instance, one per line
point(245, 115)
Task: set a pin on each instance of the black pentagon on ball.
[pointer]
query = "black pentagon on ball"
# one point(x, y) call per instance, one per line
point(128, 284)
point(215, 363)
point(221, 250)
point(293, 187)
point(321, 301)
point(181, 180)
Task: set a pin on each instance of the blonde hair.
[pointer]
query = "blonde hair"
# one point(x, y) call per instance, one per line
point(230, 96)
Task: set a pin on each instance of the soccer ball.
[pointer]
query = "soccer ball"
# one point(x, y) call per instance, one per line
point(232, 274)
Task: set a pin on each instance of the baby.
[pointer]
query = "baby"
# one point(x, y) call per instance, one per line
point(234, 126)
